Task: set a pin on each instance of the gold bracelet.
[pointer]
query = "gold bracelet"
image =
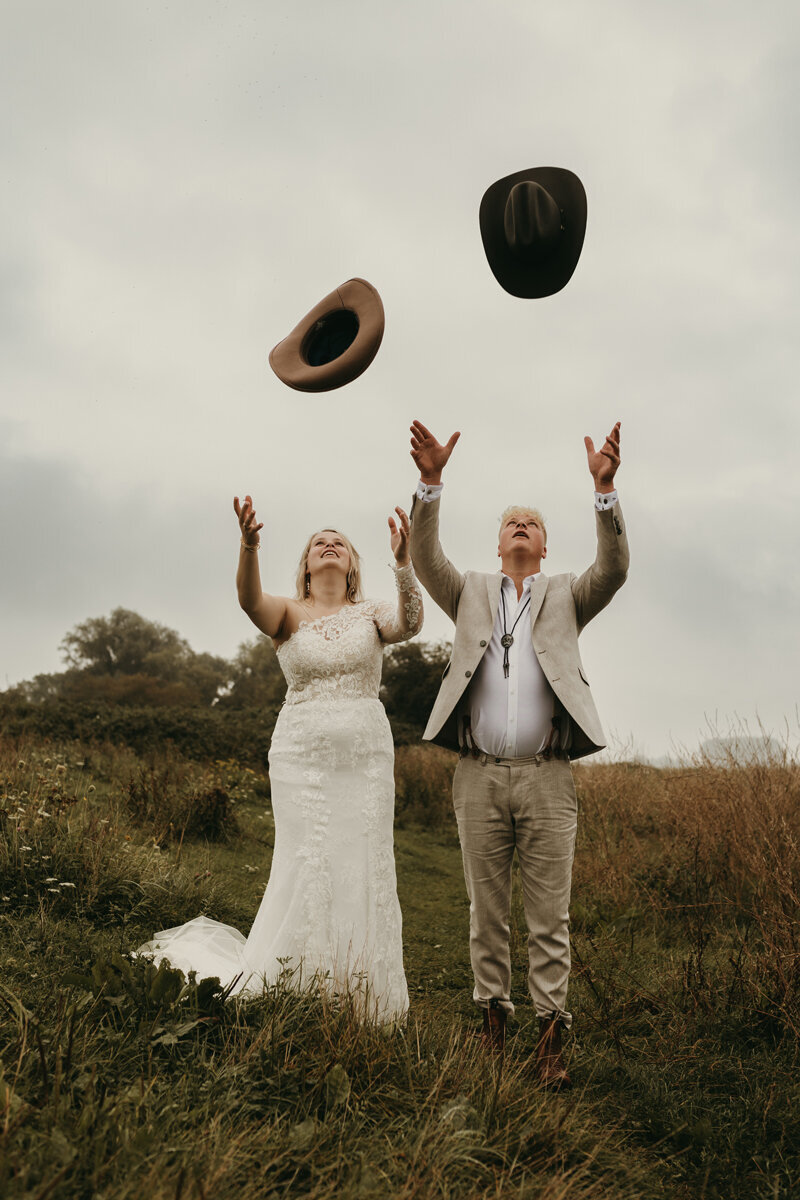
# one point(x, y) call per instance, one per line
point(252, 549)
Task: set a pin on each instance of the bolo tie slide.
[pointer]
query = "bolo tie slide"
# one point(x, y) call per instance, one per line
point(508, 638)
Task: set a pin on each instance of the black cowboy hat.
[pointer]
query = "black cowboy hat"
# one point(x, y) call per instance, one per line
point(334, 342)
point(532, 225)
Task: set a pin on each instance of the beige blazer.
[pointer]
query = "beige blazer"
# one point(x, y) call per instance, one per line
point(561, 606)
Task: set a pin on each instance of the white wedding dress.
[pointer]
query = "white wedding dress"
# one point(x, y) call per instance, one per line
point(330, 909)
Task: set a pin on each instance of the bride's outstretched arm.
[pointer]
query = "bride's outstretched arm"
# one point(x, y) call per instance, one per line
point(266, 612)
point(401, 623)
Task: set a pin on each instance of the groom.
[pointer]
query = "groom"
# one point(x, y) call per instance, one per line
point(515, 703)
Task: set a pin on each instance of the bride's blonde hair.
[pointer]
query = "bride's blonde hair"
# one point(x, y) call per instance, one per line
point(302, 581)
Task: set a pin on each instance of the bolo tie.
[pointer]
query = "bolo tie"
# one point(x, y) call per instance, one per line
point(508, 638)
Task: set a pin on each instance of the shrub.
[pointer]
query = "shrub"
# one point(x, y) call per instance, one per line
point(200, 733)
point(173, 800)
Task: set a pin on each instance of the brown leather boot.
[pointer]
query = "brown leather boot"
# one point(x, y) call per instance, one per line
point(494, 1028)
point(550, 1069)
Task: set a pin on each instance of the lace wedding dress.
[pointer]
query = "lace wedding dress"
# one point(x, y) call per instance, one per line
point(330, 908)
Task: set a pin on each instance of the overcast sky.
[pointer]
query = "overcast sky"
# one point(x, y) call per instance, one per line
point(183, 181)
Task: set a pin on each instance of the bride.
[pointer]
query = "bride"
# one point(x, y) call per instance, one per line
point(330, 908)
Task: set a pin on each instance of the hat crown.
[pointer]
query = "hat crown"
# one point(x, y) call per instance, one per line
point(532, 222)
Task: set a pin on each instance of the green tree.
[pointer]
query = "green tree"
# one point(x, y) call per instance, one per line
point(126, 644)
point(257, 681)
point(412, 674)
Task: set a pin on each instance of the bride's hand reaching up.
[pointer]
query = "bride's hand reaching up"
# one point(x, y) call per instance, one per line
point(247, 521)
point(400, 537)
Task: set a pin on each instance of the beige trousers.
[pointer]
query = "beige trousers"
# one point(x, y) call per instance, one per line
point(527, 805)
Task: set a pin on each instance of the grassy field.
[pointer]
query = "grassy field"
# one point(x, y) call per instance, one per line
point(120, 1081)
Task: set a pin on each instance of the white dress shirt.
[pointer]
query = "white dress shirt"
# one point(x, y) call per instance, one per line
point(513, 717)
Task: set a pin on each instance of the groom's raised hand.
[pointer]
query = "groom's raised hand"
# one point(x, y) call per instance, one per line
point(603, 463)
point(429, 455)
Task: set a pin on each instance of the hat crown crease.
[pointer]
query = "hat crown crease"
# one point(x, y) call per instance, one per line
point(531, 221)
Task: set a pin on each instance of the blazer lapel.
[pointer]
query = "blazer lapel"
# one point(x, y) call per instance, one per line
point(493, 585)
point(538, 589)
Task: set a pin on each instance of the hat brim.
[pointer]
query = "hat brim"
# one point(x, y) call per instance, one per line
point(545, 278)
point(288, 359)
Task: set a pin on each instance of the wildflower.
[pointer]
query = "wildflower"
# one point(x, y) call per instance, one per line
point(26, 847)
point(21, 764)
point(65, 884)
point(51, 879)
point(61, 768)
point(54, 890)
point(91, 788)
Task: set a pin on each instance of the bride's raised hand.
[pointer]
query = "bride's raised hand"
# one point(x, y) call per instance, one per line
point(400, 530)
point(247, 520)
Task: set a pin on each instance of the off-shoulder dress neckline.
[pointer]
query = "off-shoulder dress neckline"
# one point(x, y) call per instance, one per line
point(318, 620)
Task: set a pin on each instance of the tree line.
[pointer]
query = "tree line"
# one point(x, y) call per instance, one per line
point(129, 679)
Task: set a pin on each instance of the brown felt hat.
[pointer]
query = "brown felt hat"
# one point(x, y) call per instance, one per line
point(532, 225)
point(334, 342)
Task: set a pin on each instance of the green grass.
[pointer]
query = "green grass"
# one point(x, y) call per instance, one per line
point(119, 1081)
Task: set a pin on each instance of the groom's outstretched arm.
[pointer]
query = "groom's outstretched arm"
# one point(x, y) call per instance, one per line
point(594, 589)
point(442, 581)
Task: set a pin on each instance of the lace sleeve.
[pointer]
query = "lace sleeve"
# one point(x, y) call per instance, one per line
point(403, 622)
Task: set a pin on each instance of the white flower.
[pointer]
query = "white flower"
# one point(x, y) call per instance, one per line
point(72, 885)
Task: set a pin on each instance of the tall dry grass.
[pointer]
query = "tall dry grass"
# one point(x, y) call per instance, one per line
point(70, 845)
point(708, 850)
point(423, 780)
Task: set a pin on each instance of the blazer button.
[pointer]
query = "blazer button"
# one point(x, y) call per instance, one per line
point(468, 673)
point(483, 643)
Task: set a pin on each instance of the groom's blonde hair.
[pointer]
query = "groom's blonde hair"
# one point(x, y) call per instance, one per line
point(354, 593)
point(522, 510)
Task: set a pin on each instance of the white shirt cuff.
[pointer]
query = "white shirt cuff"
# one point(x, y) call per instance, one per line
point(429, 491)
point(604, 500)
